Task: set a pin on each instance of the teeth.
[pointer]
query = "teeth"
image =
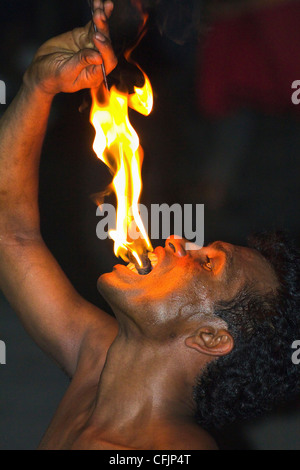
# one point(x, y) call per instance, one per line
point(132, 268)
point(153, 260)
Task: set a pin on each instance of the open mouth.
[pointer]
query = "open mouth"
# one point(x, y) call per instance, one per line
point(153, 260)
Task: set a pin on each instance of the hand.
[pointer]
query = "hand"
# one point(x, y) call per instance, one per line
point(72, 61)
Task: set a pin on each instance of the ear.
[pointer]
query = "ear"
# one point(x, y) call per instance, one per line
point(211, 341)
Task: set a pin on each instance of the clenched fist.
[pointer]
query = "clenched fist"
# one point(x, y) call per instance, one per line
point(72, 61)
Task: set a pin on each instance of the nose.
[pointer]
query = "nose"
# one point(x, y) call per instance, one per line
point(177, 245)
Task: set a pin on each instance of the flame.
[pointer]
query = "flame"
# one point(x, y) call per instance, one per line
point(117, 145)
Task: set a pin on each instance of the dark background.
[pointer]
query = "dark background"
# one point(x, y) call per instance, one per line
point(243, 165)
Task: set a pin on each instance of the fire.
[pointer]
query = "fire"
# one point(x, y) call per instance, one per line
point(118, 146)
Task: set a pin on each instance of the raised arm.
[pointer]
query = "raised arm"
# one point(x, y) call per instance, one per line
point(53, 313)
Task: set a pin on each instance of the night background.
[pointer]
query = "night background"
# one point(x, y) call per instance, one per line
point(223, 133)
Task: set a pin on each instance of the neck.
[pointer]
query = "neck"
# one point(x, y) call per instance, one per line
point(143, 385)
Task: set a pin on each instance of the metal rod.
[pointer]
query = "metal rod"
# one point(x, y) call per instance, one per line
point(90, 2)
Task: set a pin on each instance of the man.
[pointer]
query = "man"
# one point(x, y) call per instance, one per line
point(208, 332)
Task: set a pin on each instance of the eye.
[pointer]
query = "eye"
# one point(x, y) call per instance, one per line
point(207, 265)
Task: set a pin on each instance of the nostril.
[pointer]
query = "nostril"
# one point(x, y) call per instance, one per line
point(172, 247)
point(176, 244)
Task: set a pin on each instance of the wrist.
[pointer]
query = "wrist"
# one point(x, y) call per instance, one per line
point(35, 93)
point(32, 88)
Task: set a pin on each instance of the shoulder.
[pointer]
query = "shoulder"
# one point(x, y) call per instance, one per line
point(198, 439)
point(204, 441)
point(188, 437)
point(99, 337)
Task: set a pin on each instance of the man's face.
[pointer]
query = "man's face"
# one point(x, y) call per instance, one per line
point(185, 284)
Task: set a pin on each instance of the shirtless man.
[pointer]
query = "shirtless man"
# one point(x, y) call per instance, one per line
point(187, 339)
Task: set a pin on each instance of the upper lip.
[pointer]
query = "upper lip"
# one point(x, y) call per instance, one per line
point(160, 253)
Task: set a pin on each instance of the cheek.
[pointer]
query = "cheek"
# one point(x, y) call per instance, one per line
point(177, 294)
point(170, 300)
point(197, 297)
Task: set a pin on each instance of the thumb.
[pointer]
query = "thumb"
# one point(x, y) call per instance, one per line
point(104, 46)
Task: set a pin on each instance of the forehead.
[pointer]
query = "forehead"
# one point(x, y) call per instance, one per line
point(245, 264)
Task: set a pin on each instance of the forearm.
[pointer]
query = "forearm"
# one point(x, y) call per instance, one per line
point(67, 63)
point(22, 131)
point(51, 310)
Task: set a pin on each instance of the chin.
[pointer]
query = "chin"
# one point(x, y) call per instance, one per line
point(115, 291)
point(105, 284)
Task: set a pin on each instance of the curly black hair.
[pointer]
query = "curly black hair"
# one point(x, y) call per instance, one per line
point(259, 372)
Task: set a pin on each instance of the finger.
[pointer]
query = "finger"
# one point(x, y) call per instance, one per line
point(83, 37)
point(104, 46)
point(107, 6)
point(90, 77)
point(86, 67)
point(100, 20)
point(86, 58)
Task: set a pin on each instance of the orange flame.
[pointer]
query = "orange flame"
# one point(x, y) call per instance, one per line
point(117, 145)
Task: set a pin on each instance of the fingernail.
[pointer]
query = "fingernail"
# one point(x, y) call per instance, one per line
point(100, 37)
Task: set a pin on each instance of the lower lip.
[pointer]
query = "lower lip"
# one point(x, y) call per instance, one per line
point(118, 267)
point(122, 267)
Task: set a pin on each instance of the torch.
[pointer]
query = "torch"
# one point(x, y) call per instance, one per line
point(145, 267)
point(117, 145)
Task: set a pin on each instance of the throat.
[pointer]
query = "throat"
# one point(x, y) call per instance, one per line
point(138, 390)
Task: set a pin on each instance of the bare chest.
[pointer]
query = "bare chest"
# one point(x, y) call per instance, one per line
point(71, 428)
point(71, 420)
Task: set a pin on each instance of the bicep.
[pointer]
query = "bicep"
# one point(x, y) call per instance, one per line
point(51, 310)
